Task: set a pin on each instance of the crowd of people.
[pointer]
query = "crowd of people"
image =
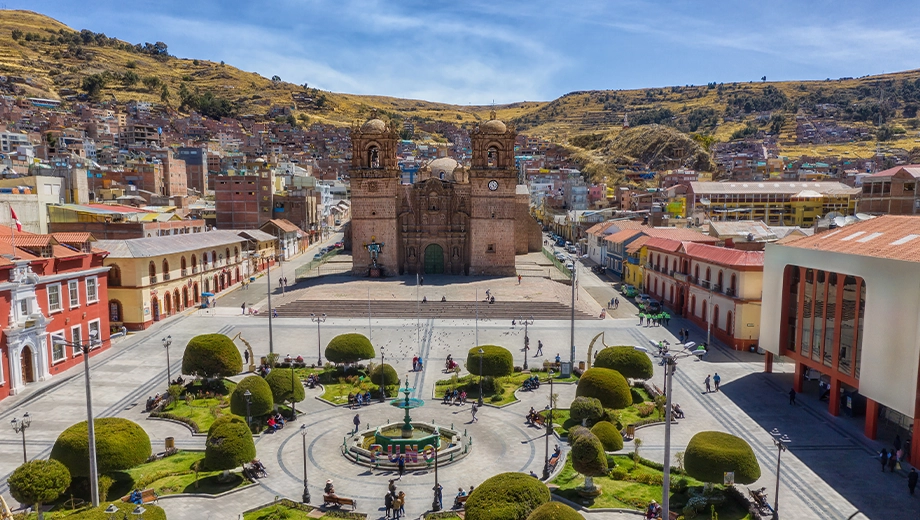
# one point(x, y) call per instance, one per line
point(359, 399)
point(457, 397)
point(531, 383)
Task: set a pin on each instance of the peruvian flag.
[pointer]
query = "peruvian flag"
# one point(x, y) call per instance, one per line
point(15, 220)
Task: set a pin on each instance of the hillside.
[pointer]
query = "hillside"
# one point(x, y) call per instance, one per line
point(59, 62)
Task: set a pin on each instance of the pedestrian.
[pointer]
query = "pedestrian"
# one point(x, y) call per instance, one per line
point(706, 382)
point(285, 281)
point(244, 308)
point(421, 280)
point(519, 279)
point(415, 363)
point(792, 396)
point(513, 322)
point(388, 503)
point(439, 494)
point(616, 303)
point(897, 442)
point(274, 313)
point(357, 421)
point(401, 464)
point(539, 349)
point(246, 356)
point(473, 410)
point(893, 462)
point(402, 504)
point(883, 457)
point(716, 379)
point(912, 480)
point(640, 318)
point(392, 486)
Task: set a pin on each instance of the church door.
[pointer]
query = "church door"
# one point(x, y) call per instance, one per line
point(434, 259)
point(28, 371)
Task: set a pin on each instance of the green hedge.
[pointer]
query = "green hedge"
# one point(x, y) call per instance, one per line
point(229, 445)
point(285, 385)
point(120, 444)
point(710, 454)
point(153, 512)
point(390, 377)
point(261, 398)
point(555, 511)
point(588, 456)
point(211, 355)
point(39, 482)
point(628, 361)
point(609, 435)
point(496, 361)
point(224, 419)
point(607, 385)
point(506, 496)
point(589, 408)
point(577, 431)
point(349, 348)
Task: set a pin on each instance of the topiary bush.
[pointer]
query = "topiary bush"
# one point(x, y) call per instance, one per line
point(349, 348)
point(628, 361)
point(586, 408)
point(39, 482)
point(554, 511)
point(261, 398)
point(389, 378)
point(496, 361)
point(588, 456)
point(609, 435)
point(120, 444)
point(228, 446)
point(577, 431)
point(710, 454)
point(211, 355)
point(506, 496)
point(224, 419)
point(285, 386)
point(607, 385)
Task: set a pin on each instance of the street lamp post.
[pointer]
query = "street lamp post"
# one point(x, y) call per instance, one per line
point(436, 503)
point(549, 428)
point(526, 323)
point(306, 490)
point(669, 359)
point(167, 341)
point(20, 426)
point(248, 396)
point(271, 311)
point(481, 352)
point(780, 440)
point(319, 342)
point(383, 380)
point(574, 284)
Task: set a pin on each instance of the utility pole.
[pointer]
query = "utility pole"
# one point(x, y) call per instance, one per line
point(574, 283)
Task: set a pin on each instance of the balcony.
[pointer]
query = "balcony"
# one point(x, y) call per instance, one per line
point(704, 284)
point(166, 277)
point(194, 269)
point(729, 291)
point(717, 288)
point(680, 277)
point(153, 279)
point(184, 272)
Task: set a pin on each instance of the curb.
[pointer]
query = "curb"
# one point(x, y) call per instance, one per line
point(203, 495)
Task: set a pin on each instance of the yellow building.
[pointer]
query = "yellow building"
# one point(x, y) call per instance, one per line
point(634, 267)
point(774, 202)
point(153, 278)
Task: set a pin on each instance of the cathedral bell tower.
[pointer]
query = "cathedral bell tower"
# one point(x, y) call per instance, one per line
point(493, 178)
point(374, 179)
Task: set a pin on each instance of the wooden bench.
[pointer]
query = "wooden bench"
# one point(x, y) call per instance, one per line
point(539, 420)
point(553, 461)
point(339, 501)
point(147, 496)
point(460, 501)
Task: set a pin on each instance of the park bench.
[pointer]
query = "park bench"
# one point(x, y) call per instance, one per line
point(147, 496)
point(339, 501)
point(460, 501)
point(553, 461)
point(539, 420)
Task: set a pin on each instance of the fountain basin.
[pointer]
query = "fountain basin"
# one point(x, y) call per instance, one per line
point(382, 446)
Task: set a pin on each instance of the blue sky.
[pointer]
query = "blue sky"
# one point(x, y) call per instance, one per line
point(472, 51)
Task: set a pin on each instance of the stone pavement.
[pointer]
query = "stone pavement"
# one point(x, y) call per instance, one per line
point(817, 482)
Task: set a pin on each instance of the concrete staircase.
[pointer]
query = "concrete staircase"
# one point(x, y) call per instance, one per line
point(500, 310)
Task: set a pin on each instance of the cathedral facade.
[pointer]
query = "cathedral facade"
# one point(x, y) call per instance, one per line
point(452, 220)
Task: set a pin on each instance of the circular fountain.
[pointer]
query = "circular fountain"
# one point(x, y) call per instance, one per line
point(384, 445)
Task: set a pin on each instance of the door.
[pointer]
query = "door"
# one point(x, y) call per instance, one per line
point(155, 308)
point(28, 372)
point(434, 259)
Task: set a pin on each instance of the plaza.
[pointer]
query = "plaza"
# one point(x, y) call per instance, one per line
point(823, 475)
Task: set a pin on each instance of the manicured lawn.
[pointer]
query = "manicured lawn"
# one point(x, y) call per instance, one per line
point(172, 475)
point(290, 510)
point(154, 512)
point(629, 415)
point(202, 406)
point(639, 486)
point(510, 384)
point(338, 383)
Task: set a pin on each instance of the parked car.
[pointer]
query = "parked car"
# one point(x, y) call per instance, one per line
point(643, 299)
point(629, 291)
point(654, 306)
point(339, 245)
point(570, 265)
point(317, 256)
point(570, 248)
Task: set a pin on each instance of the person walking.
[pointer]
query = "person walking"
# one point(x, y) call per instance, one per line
point(246, 356)
point(473, 410)
point(402, 504)
point(616, 303)
point(706, 382)
point(717, 379)
point(244, 308)
point(519, 279)
point(388, 503)
point(357, 421)
point(893, 462)
point(401, 465)
point(912, 480)
point(539, 349)
point(897, 442)
point(792, 396)
point(883, 457)
point(610, 305)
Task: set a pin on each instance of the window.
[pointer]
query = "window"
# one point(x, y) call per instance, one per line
point(24, 308)
point(54, 297)
point(76, 338)
point(92, 290)
point(95, 333)
point(73, 288)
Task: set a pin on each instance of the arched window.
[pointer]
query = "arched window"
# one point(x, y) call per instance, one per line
point(195, 292)
point(182, 264)
point(114, 277)
point(373, 157)
point(686, 269)
point(656, 285)
point(213, 258)
point(730, 323)
point(165, 267)
point(705, 309)
point(236, 253)
point(696, 271)
point(715, 316)
point(720, 278)
point(152, 270)
point(227, 255)
point(194, 262)
point(733, 288)
point(693, 305)
point(671, 298)
point(674, 264)
point(708, 275)
point(492, 157)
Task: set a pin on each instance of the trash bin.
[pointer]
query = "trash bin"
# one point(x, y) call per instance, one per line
point(170, 442)
point(630, 431)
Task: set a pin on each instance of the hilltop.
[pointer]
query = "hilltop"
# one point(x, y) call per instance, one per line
point(63, 63)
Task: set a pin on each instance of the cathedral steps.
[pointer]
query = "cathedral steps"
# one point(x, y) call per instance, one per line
point(500, 310)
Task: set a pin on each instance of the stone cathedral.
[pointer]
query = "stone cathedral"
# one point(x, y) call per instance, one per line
point(452, 220)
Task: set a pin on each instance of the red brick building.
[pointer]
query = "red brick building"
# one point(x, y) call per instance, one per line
point(49, 285)
point(892, 192)
point(243, 201)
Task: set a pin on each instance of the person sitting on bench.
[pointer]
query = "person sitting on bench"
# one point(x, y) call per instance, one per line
point(329, 489)
point(447, 395)
point(678, 412)
point(460, 493)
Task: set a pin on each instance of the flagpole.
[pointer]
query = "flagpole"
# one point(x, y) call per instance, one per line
point(12, 231)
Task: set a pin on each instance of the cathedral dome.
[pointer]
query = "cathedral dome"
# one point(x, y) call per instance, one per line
point(443, 168)
point(493, 126)
point(374, 126)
